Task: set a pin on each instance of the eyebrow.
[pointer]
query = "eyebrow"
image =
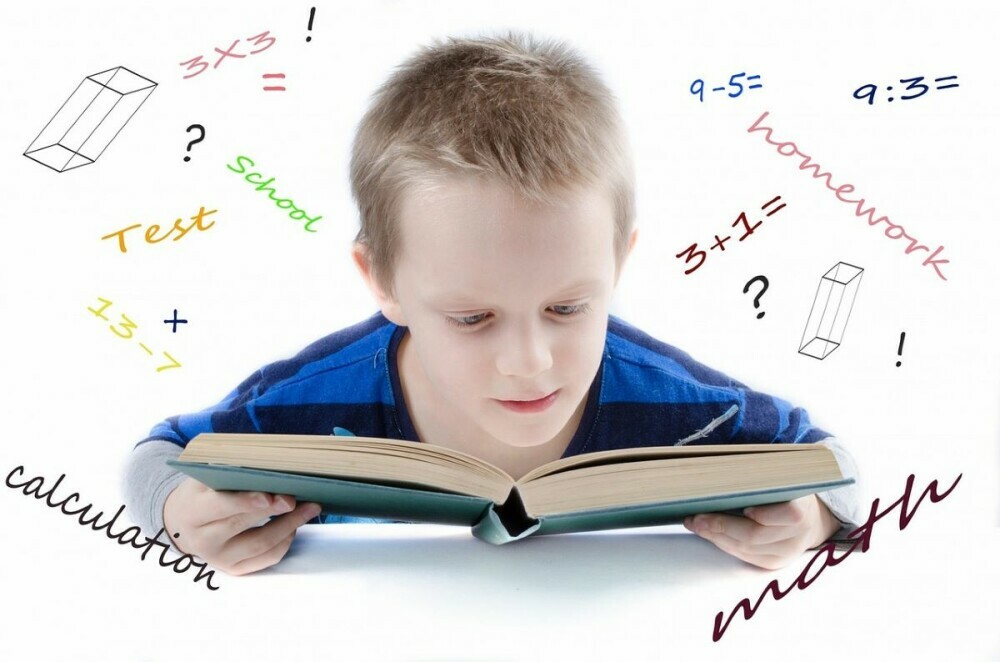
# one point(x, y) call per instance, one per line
point(463, 298)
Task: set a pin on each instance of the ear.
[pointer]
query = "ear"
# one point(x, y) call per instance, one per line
point(390, 307)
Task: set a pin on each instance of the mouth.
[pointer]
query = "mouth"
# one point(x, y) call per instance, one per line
point(531, 406)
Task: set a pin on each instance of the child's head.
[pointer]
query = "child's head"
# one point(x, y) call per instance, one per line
point(532, 116)
point(495, 190)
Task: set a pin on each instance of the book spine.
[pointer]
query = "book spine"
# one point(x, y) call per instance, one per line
point(490, 528)
point(501, 524)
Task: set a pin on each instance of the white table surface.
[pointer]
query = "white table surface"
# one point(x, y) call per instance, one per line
point(423, 592)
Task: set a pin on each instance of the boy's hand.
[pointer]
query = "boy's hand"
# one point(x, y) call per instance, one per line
point(768, 536)
point(219, 526)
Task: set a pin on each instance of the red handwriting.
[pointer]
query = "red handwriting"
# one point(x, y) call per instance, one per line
point(861, 539)
point(201, 65)
point(154, 228)
point(790, 149)
point(692, 251)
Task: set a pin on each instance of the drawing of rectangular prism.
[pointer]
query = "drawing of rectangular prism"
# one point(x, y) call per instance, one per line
point(830, 311)
point(94, 114)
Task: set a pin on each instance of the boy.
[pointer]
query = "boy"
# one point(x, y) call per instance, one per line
point(496, 201)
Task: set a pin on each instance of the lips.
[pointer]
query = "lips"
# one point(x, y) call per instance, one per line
point(531, 399)
point(528, 406)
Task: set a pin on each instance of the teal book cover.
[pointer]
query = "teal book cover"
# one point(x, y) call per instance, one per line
point(491, 522)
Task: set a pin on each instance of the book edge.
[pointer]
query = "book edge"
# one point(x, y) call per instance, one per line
point(819, 487)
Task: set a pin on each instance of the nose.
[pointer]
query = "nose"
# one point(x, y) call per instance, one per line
point(524, 351)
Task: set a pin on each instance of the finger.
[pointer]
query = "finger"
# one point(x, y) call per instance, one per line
point(768, 562)
point(785, 541)
point(741, 528)
point(278, 551)
point(214, 506)
point(767, 556)
point(261, 540)
point(215, 535)
point(265, 560)
point(789, 513)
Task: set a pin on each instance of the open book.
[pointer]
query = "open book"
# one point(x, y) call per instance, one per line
point(419, 482)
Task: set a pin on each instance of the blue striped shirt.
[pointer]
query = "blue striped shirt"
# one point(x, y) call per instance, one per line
point(645, 393)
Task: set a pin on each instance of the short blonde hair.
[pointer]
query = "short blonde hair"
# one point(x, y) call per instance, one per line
point(531, 115)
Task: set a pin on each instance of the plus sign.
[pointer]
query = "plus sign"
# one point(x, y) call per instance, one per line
point(719, 243)
point(175, 321)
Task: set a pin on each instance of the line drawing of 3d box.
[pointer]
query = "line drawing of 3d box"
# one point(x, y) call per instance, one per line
point(96, 112)
point(830, 311)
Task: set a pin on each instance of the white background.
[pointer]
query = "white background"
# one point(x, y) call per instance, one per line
point(256, 288)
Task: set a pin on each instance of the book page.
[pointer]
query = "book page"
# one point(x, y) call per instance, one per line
point(360, 458)
point(682, 477)
point(658, 452)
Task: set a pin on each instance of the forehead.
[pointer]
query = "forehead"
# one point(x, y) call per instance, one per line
point(471, 213)
point(464, 236)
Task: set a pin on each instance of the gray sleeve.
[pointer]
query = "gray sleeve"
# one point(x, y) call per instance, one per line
point(844, 502)
point(148, 481)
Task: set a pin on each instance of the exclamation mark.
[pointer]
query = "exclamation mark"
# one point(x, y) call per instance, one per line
point(899, 352)
point(312, 15)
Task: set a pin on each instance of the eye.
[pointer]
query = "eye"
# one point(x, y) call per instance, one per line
point(569, 311)
point(467, 321)
point(471, 321)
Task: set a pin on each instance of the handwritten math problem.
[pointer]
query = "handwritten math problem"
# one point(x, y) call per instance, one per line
point(698, 86)
point(692, 252)
point(126, 328)
point(256, 40)
point(868, 90)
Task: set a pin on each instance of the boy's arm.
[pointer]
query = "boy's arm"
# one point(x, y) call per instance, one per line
point(765, 419)
point(772, 536)
point(844, 502)
point(227, 529)
point(149, 480)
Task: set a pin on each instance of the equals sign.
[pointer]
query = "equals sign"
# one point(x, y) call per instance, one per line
point(774, 211)
point(945, 87)
point(274, 88)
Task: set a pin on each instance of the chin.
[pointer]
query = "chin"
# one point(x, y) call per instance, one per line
point(529, 436)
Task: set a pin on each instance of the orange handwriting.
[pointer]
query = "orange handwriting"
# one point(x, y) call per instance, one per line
point(151, 231)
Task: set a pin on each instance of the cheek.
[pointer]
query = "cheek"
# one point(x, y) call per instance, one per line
point(455, 362)
point(581, 352)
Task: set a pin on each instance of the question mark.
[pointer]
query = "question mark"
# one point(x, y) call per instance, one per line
point(196, 140)
point(756, 299)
